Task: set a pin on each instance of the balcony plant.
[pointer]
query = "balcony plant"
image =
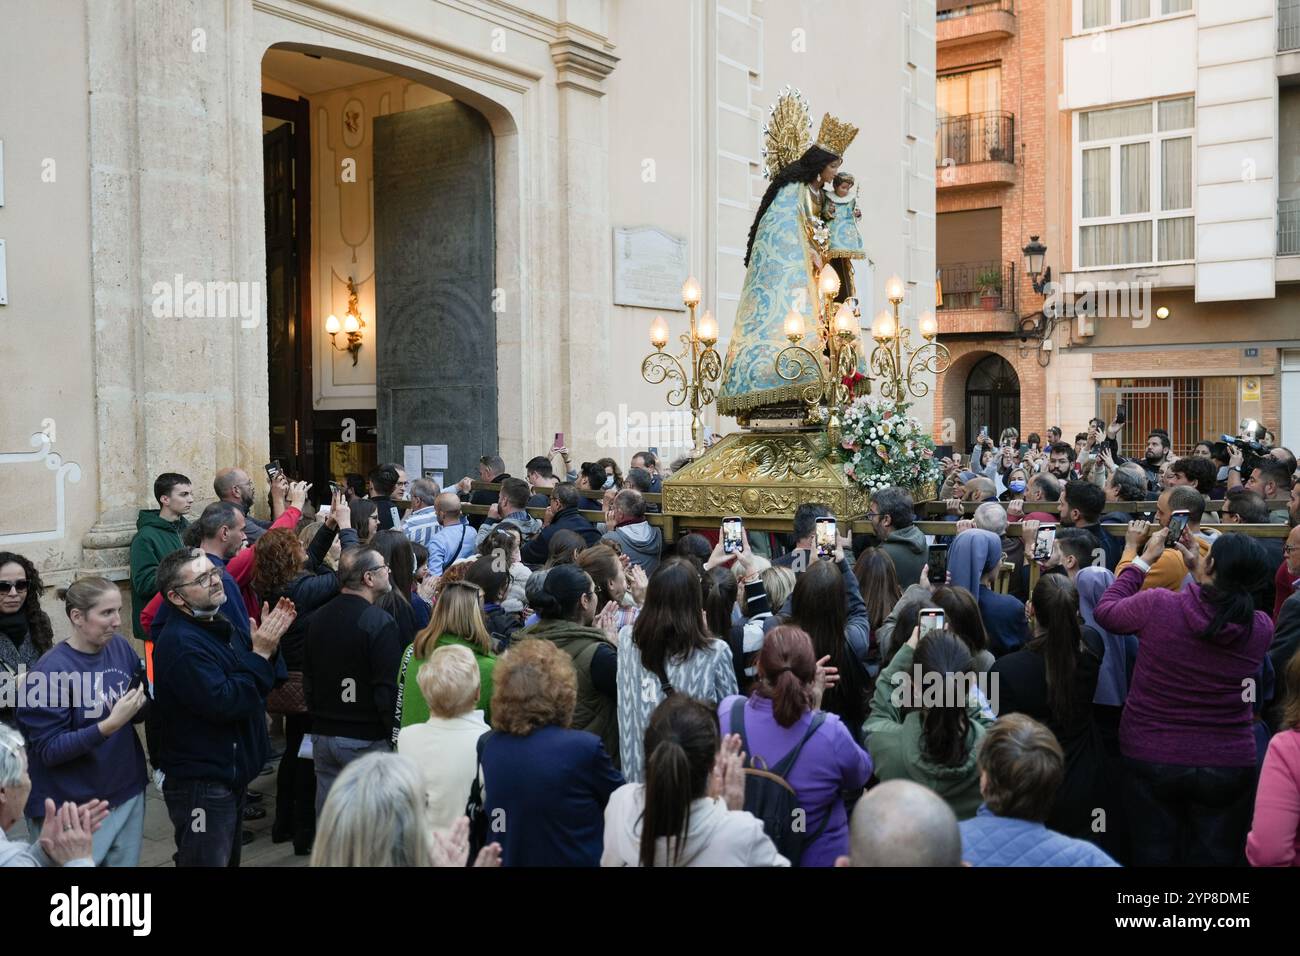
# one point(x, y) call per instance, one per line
point(990, 286)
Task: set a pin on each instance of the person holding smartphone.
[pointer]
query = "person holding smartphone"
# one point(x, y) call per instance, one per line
point(1178, 509)
point(81, 744)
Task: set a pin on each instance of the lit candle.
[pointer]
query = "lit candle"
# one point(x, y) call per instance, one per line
point(828, 281)
point(659, 332)
point(882, 329)
point(928, 325)
point(691, 292)
point(332, 326)
point(793, 326)
point(708, 328)
point(894, 289)
point(844, 319)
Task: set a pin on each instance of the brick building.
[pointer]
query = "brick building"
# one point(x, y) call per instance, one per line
point(1153, 146)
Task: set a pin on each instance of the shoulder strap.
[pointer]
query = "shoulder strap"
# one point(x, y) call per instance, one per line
point(738, 725)
point(664, 683)
point(463, 529)
point(787, 763)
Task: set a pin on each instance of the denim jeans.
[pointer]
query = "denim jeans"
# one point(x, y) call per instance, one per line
point(332, 754)
point(207, 818)
point(1188, 816)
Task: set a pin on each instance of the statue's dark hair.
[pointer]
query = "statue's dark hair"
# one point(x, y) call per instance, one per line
point(802, 170)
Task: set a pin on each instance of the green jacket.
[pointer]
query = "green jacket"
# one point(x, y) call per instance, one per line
point(154, 540)
point(595, 712)
point(411, 705)
point(893, 738)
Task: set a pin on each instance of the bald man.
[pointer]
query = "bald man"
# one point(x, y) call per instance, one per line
point(233, 484)
point(901, 823)
point(454, 538)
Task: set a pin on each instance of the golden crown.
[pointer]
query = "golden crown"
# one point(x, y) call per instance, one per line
point(835, 135)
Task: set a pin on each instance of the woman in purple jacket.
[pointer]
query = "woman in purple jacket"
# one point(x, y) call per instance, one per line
point(776, 718)
point(77, 714)
point(1186, 734)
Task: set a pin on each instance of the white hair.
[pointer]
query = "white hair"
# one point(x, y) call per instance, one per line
point(991, 516)
point(11, 756)
point(375, 815)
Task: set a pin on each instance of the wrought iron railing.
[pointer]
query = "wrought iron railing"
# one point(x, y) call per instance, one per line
point(975, 138)
point(1288, 227)
point(989, 285)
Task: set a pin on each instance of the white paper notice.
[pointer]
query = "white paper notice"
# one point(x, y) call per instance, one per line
point(435, 456)
point(411, 460)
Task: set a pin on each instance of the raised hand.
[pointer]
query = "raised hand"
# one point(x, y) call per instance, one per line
point(127, 706)
point(298, 494)
point(607, 621)
point(451, 846)
point(64, 835)
point(727, 781)
point(637, 582)
point(1136, 534)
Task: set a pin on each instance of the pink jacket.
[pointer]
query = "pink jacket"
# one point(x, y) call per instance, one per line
point(1275, 835)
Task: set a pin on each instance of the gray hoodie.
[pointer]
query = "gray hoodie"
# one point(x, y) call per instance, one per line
point(641, 541)
point(908, 549)
point(715, 836)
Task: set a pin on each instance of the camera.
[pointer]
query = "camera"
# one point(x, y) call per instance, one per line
point(1251, 452)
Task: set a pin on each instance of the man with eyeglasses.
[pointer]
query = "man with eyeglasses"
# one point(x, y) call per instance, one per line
point(491, 468)
point(351, 656)
point(210, 693)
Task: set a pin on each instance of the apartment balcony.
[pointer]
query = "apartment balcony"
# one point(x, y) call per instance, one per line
point(978, 297)
point(973, 21)
point(975, 150)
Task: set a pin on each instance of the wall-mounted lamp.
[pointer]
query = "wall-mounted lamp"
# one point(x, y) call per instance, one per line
point(352, 324)
point(1034, 255)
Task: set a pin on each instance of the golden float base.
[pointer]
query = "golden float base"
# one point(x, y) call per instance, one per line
point(763, 474)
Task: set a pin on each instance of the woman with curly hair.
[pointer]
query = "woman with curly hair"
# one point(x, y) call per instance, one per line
point(25, 631)
point(550, 782)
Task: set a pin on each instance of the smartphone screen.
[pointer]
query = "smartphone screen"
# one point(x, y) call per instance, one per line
point(559, 440)
point(1121, 414)
point(1043, 542)
point(984, 431)
point(1177, 525)
point(335, 488)
point(272, 469)
point(937, 560)
point(733, 531)
point(826, 537)
point(930, 619)
point(138, 678)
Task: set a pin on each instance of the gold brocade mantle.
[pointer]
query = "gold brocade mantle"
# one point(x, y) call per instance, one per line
point(763, 474)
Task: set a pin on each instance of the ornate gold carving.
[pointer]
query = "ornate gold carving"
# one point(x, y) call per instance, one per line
point(788, 129)
point(835, 135)
point(766, 459)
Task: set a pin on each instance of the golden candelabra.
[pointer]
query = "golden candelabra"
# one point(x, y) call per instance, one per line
point(835, 328)
point(898, 366)
point(704, 363)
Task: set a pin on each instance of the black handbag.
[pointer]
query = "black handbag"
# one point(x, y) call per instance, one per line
point(475, 808)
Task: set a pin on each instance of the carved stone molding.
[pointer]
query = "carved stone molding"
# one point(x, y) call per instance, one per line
point(581, 66)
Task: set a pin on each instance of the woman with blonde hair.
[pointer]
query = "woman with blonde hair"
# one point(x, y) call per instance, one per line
point(444, 745)
point(457, 619)
point(549, 781)
point(375, 816)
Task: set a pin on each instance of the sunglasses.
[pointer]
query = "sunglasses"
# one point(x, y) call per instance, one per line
point(9, 586)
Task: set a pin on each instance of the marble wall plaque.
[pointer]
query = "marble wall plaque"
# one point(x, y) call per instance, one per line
point(649, 269)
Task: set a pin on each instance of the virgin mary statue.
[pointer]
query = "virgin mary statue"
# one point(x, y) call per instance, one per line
point(788, 245)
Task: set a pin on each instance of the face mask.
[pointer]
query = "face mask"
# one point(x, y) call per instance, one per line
point(1017, 486)
point(609, 483)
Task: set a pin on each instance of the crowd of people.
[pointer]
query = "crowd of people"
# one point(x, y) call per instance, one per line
point(460, 680)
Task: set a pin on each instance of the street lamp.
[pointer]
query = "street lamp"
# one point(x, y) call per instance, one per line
point(1034, 254)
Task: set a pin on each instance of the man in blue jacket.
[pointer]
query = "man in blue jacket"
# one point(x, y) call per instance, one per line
point(210, 692)
point(561, 514)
